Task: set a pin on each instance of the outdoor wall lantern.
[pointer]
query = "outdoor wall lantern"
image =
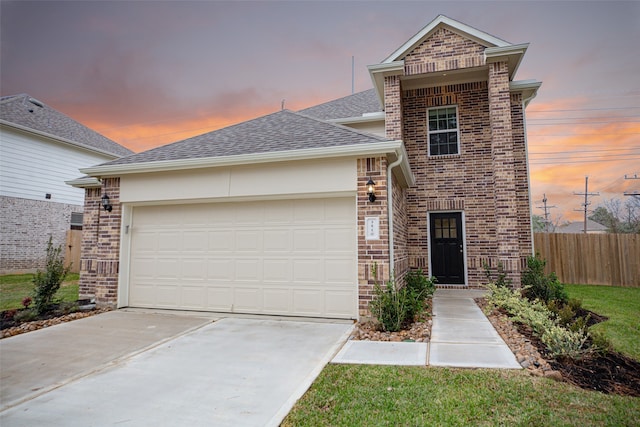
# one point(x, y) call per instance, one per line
point(371, 190)
point(105, 203)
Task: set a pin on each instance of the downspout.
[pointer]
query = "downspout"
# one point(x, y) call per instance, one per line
point(390, 213)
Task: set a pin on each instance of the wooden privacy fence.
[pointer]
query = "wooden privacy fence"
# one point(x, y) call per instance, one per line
point(592, 259)
point(72, 250)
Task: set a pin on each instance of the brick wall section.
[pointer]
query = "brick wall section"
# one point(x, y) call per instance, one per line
point(25, 227)
point(101, 245)
point(502, 151)
point(444, 51)
point(89, 249)
point(400, 232)
point(463, 182)
point(392, 108)
point(523, 200)
point(372, 252)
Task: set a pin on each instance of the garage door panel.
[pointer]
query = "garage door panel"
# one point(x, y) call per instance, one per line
point(221, 240)
point(277, 300)
point(219, 298)
point(248, 299)
point(276, 270)
point(286, 257)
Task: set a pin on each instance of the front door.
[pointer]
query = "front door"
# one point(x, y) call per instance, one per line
point(447, 254)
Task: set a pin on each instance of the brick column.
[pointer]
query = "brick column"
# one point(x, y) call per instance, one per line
point(99, 260)
point(504, 171)
point(372, 252)
point(392, 107)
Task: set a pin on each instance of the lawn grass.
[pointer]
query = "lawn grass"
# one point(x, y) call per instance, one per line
point(361, 395)
point(14, 287)
point(621, 306)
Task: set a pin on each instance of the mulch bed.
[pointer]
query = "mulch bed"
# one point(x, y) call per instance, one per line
point(607, 372)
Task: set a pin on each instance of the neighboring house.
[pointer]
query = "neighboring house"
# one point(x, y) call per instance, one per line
point(40, 149)
point(278, 215)
point(578, 227)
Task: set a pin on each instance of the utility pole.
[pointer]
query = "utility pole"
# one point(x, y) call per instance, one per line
point(546, 212)
point(586, 203)
point(633, 193)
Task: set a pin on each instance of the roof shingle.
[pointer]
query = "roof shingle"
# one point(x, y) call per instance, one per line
point(349, 106)
point(277, 132)
point(30, 113)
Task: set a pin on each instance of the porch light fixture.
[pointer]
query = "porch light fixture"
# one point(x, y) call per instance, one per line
point(371, 190)
point(105, 203)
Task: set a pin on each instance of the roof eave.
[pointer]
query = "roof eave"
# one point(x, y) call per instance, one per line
point(512, 54)
point(379, 71)
point(451, 24)
point(528, 88)
point(369, 117)
point(84, 182)
point(58, 139)
point(383, 147)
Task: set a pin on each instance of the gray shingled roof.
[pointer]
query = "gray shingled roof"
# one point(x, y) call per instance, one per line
point(30, 113)
point(350, 106)
point(276, 132)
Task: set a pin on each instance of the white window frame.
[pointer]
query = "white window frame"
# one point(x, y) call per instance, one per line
point(456, 130)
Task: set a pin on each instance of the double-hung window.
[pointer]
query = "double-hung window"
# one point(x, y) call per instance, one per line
point(443, 131)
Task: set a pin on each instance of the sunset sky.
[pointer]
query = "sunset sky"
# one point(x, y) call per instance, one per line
point(148, 73)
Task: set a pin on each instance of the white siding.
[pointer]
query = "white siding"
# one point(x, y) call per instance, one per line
point(32, 166)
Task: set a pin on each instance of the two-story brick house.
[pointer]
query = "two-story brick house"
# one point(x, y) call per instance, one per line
point(287, 214)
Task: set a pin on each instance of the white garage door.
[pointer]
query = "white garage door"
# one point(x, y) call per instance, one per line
point(285, 257)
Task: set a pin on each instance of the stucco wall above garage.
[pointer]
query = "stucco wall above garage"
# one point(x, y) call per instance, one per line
point(327, 176)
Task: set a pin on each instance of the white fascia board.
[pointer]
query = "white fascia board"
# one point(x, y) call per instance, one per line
point(382, 147)
point(84, 182)
point(379, 71)
point(510, 53)
point(369, 117)
point(457, 27)
point(528, 88)
point(57, 139)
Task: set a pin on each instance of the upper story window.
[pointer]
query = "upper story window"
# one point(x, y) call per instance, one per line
point(443, 131)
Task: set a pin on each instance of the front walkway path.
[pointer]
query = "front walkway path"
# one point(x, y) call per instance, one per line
point(461, 336)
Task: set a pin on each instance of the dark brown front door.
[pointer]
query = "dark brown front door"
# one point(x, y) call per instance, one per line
point(447, 254)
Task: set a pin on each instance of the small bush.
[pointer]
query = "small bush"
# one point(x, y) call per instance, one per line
point(538, 285)
point(48, 282)
point(26, 302)
point(419, 288)
point(391, 307)
point(562, 342)
point(9, 314)
point(26, 316)
point(599, 342)
point(501, 280)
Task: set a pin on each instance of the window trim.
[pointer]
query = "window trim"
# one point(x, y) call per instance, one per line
point(456, 130)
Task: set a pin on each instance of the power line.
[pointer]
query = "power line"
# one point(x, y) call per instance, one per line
point(546, 212)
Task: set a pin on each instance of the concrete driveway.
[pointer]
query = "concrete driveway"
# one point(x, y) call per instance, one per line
point(150, 369)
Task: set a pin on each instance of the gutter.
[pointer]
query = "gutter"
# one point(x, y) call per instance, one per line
point(390, 212)
point(525, 102)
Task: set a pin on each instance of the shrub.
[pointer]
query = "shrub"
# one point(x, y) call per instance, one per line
point(562, 342)
point(26, 315)
point(538, 285)
point(419, 288)
point(390, 306)
point(26, 302)
point(9, 314)
point(501, 279)
point(48, 282)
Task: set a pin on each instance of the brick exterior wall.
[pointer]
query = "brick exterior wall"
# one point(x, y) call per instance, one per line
point(372, 252)
point(25, 227)
point(99, 261)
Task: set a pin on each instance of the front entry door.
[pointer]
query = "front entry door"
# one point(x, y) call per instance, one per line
point(447, 254)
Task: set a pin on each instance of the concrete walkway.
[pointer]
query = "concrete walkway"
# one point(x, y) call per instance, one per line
point(461, 336)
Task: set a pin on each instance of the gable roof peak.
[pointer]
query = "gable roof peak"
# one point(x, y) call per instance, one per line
point(442, 21)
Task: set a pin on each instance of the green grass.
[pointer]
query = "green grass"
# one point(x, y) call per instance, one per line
point(361, 395)
point(621, 306)
point(13, 288)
